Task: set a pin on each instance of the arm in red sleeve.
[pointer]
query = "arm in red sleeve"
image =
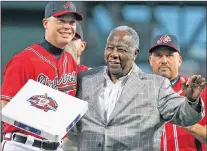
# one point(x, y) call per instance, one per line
point(16, 74)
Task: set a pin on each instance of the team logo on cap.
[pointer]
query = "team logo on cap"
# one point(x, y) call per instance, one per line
point(164, 39)
point(69, 4)
point(43, 102)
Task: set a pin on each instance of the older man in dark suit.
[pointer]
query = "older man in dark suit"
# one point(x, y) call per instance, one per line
point(127, 107)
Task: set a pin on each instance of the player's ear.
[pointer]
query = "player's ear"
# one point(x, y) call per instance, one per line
point(150, 59)
point(44, 23)
point(180, 60)
point(83, 45)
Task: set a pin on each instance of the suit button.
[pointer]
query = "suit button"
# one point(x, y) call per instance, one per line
point(99, 145)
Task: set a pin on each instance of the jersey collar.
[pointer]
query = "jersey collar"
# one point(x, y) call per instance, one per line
point(50, 48)
point(174, 81)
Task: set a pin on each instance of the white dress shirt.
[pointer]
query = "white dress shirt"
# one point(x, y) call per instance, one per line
point(111, 93)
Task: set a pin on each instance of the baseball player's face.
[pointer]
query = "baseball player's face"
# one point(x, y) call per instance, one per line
point(75, 48)
point(118, 55)
point(165, 62)
point(79, 45)
point(59, 31)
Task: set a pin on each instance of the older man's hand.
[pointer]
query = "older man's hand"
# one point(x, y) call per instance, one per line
point(193, 87)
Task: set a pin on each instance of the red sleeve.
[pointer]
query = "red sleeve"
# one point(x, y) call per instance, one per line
point(16, 74)
point(82, 68)
point(203, 95)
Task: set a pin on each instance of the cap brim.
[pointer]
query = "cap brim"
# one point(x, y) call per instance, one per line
point(77, 35)
point(151, 49)
point(77, 15)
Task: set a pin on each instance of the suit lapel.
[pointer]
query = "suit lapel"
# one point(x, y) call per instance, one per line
point(133, 85)
point(97, 84)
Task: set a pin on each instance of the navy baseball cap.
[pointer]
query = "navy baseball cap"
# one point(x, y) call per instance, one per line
point(165, 40)
point(58, 8)
point(79, 31)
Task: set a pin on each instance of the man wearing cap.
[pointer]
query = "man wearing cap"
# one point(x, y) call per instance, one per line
point(77, 46)
point(47, 63)
point(165, 60)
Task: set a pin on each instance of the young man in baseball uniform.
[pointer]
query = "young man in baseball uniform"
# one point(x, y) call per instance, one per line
point(47, 63)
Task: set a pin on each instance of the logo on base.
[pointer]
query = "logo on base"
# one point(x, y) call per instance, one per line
point(43, 102)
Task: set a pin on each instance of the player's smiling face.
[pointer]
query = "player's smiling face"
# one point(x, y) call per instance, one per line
point(59, 31)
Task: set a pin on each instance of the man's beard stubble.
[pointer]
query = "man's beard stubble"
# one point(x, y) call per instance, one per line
point(72, 50)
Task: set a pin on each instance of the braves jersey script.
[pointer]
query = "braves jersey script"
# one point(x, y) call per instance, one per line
point(175, 138)
point(40, 65)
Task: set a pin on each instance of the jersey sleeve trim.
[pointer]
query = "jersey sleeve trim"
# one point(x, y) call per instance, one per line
point(5, 98)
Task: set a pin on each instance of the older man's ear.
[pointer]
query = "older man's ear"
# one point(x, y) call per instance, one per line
point(136, 54)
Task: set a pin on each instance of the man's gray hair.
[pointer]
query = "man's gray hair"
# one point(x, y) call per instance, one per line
point(134, 38)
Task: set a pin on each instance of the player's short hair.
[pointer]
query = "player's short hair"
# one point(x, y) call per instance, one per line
point(134, 37)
